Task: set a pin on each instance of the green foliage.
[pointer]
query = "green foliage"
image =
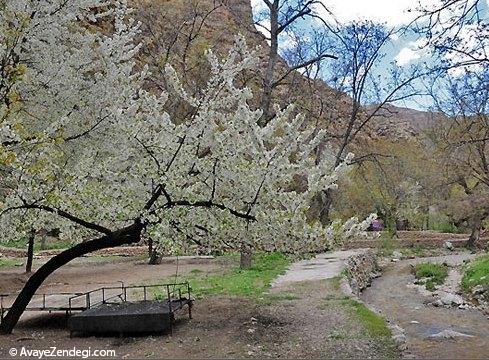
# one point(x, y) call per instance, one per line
point(434, 273)
point(386, 244)
point(250, 282)
point(374, 324)
point(477, 273)
point(440, 222)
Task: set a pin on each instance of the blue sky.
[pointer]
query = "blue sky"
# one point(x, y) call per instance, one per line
point(404, 50)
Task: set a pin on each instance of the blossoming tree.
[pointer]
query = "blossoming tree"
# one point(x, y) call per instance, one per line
point(84, 149)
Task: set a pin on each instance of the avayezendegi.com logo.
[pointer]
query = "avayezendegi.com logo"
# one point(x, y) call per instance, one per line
point(54, 352)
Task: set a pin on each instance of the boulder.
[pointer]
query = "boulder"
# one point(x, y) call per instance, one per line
point(448, 245)
point(450, 299)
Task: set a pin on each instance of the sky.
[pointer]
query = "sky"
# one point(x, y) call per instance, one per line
point(404, 50)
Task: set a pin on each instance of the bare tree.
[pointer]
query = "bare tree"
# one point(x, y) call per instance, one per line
point(458, 30)
point(463, 143)
point(279, 19)
point(361, 49)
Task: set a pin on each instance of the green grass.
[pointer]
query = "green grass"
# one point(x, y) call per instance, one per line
point(440, 222)
point(386, 244)
point(416, 250)
point(434, 274)
point(374, 324)
point(477, 273)
point(50, 244)
point(252, 282)
point(5, 262)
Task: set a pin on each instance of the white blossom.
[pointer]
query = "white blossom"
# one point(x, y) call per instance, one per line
point(81, 140)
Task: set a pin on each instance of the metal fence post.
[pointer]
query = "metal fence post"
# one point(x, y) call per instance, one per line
point(169, 297)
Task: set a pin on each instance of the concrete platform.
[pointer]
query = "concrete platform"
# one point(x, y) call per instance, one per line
point(127, 317)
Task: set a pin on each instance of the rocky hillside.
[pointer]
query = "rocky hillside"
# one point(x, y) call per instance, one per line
point(179, 31)
point(393, 121)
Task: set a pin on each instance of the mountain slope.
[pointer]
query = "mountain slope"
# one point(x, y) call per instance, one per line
point(179, 31)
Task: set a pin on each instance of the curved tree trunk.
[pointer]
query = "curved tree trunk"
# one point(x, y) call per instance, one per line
point(125, 236)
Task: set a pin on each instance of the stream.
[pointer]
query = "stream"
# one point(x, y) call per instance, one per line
point(408, 308)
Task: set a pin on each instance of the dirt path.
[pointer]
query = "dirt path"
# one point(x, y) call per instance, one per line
point(323, 266)
point(408, 308)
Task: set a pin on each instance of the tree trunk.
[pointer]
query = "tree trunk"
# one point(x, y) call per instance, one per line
point(155, 257)
point(44, 236)
point(125, 236)
point(266, 99)
point(391, 221)
point(321, 206)
point(30, 251)
point(150, 246)
point(476, 229)
point(246, 257)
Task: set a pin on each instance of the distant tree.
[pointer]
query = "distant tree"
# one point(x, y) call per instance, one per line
point(463, 144)
point(361, 49)
point(398, 186)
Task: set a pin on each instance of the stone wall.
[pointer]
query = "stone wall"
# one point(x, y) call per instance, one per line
point(361, 269)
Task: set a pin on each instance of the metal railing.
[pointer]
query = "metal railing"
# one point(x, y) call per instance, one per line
point(106, 295)
point(175, 294)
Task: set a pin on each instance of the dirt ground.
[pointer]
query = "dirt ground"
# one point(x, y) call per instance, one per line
point(301, 320)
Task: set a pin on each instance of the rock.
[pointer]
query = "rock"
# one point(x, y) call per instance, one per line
point(449, 334)
point(464, 306)
point(437, 303)
point(397, 255)
point(448, 245)
point(478, 289)
point(395, 260)
point(398, 336)
point(450, 299)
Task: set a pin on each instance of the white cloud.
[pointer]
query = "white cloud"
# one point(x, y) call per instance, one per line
point(413, 51)
point(391, 12)
point(259, 5)
point(406, 55)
